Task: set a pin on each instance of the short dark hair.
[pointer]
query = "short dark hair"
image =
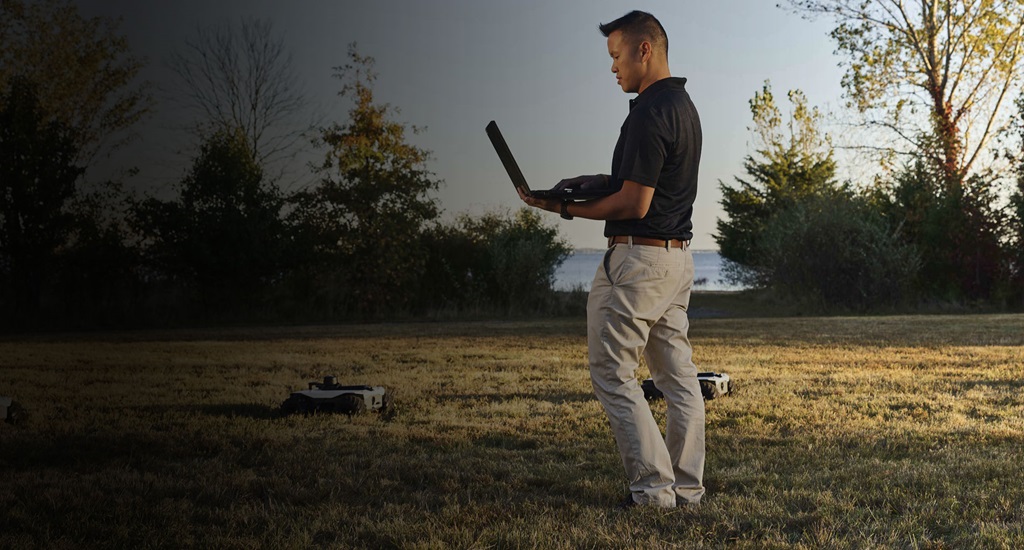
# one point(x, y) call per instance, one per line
point(638, 26)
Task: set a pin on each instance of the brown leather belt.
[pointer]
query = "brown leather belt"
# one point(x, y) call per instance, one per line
point(647, 241)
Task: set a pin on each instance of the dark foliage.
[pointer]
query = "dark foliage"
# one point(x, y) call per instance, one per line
point(98, 279)
point(362, 223)
point(82, 70)
point(223, 239)
point(1014, 244)
point(37, 181)
point(775, 184)
point(954, 227)
point(836, 252)
point(501, 261)
point(786, 171)
point(230, 246)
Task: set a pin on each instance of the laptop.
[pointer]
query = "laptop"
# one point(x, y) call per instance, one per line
point(520, 182)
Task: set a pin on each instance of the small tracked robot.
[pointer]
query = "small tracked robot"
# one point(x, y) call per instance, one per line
point(329, 397)
point(712, 386)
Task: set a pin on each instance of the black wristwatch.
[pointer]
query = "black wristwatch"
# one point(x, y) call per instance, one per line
point(565, 209)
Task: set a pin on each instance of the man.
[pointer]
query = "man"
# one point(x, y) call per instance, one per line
point(640, 294)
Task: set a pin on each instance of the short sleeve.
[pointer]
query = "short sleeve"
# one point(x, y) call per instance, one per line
point(645, 147)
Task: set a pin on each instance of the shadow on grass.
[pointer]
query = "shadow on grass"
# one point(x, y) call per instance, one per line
point(556, 398)
point(508, 442)
point(242, 410)
point(255, 411)
point(1011, 384)
point(34, 451)
point(532, 327)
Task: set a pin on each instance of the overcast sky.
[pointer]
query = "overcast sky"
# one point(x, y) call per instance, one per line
point(540, 68)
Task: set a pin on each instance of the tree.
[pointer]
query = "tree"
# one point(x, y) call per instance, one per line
point(98, 276)
point(457, 273)
point(834, 250)
point(365, 217)
point(955, 228)
point(81, 69)
point(37, 180)
point(224, 235)
point(1015, 218)
point(788, 169)
point(67, 90)
point(243, 77)
point(934, 74)
point(499, 260)
point(523, 259)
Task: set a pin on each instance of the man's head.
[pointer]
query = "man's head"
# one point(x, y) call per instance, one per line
point(638, 46)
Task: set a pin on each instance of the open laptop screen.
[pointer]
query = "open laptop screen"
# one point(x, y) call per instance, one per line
point(498, 141)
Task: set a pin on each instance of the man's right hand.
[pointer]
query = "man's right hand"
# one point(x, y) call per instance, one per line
point(596, 181)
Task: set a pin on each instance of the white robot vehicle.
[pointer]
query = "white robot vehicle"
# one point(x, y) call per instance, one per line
point(712, 386)
point(328, 396)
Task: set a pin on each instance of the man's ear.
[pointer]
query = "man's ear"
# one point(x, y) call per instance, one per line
point(645, 51)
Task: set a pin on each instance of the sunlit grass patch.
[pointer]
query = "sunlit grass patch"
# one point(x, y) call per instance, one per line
point(843, 432)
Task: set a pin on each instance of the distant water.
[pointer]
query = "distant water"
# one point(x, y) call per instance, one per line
point(578, 271)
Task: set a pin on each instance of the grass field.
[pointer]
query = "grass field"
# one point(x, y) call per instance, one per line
point(904, 432)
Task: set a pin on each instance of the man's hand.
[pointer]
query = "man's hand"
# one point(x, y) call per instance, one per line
point(551, 205)
point(596, 181)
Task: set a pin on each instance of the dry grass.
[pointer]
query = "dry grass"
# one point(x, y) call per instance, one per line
point(844, 432)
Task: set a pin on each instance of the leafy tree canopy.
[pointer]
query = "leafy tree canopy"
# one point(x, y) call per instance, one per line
point(82, 70)
point(37, 180)
point(368, 212)
point(934, 75)
point(794, 161)
point(224, 234)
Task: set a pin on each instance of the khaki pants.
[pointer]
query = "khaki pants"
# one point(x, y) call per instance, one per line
point(637, 304)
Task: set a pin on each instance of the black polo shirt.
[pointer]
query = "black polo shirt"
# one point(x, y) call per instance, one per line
point(659, 146)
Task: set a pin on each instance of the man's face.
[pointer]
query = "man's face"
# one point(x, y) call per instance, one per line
point(627, 62)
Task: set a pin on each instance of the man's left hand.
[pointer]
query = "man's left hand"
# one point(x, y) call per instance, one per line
point(551, 205)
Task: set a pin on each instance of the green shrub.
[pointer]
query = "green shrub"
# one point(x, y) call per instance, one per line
point(497, 261)
point(1014, 243)
point(954, 226)
point(836, 251)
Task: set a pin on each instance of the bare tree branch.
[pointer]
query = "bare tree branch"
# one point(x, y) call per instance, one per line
point(241, 76)
point(987, 134)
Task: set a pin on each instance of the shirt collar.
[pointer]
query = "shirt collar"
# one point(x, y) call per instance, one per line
point(652, 90)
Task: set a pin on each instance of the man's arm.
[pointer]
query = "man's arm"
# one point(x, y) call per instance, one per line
point(629, 203)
